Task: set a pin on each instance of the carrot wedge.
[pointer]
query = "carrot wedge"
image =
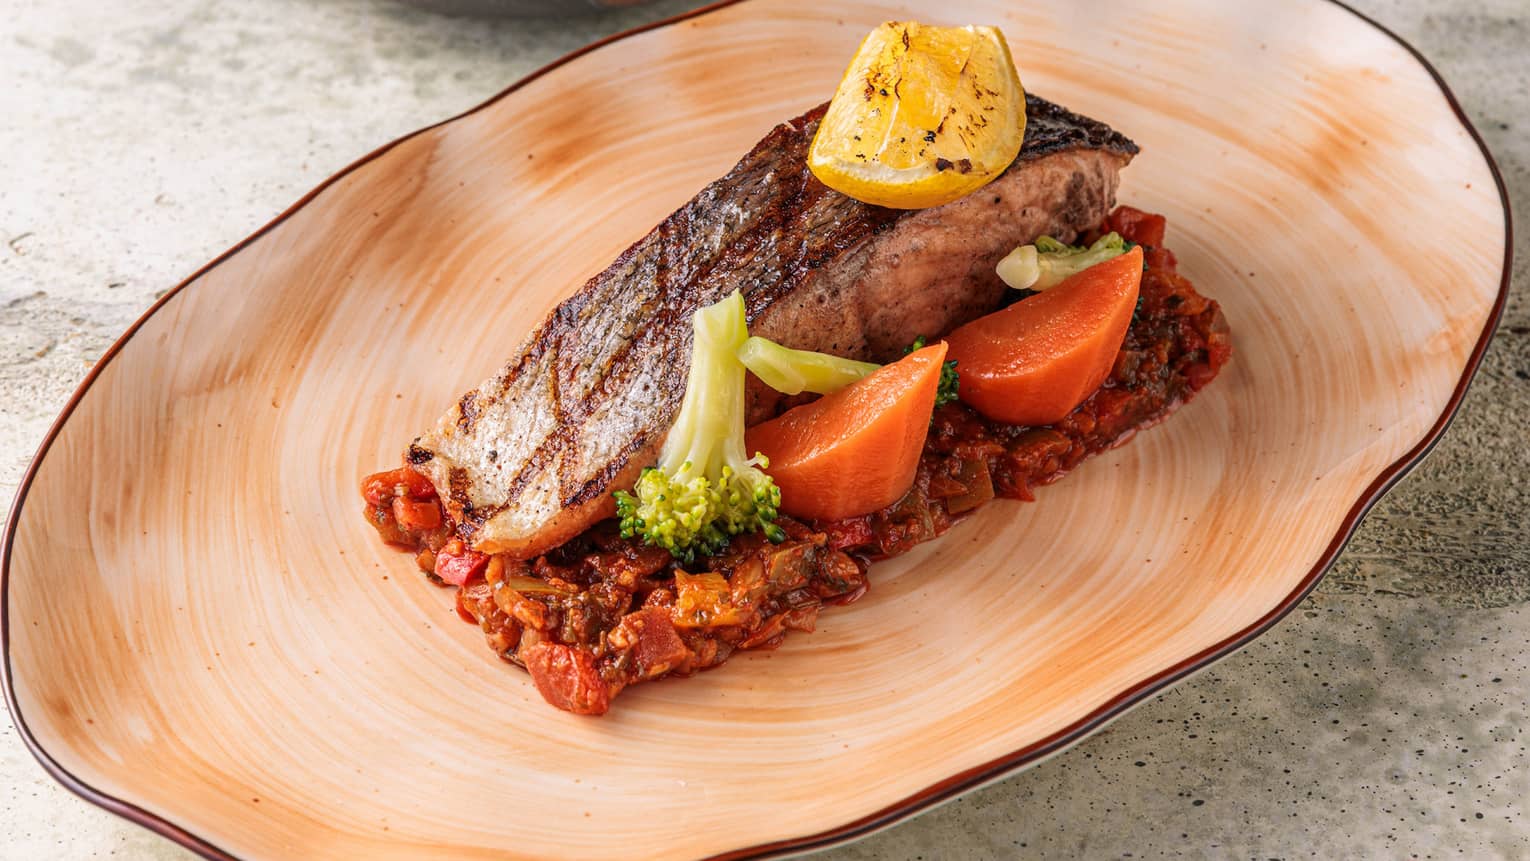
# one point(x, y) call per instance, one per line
point(854, 450)
point(1033, 362)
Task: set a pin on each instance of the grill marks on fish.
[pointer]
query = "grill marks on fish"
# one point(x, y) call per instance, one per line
point(586, 403)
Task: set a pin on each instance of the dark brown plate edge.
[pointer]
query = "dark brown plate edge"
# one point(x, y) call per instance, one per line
point(931, 796)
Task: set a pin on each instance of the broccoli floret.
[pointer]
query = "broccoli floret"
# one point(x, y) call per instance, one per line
point(705, 490)
point(1047, 262)
point(950, 382)
point(792, 372)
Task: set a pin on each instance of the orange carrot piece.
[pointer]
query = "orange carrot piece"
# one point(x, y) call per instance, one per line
point(855, 450)
point(1033, 362)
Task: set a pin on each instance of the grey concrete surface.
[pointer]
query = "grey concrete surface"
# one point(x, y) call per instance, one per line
point(1386, 717)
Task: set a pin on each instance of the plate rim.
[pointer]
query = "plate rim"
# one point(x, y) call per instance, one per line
point(931, 796)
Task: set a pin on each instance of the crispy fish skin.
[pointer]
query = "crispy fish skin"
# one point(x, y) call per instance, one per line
point(530, 458)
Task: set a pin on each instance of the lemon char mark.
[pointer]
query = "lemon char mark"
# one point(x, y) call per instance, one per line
point(923, 116)
point(875, 87)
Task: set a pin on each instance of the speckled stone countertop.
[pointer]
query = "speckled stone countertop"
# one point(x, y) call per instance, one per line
point(1386, 717)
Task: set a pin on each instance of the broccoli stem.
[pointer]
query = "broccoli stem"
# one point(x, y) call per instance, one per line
point(709, 431)
point(1047, 262)
point(793, 372)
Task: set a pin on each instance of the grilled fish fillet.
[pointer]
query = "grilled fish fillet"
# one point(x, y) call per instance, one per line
point(530, 458)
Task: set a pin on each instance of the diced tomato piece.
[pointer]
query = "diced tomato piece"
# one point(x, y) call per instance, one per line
point(381, 518)
point(479, 595)
point(1198, 375)
point(456, 564)
point(659, 648)
point(855, 532)
point(1143, 228)
point(419, 486)
point(1160, 262)
point(380, 487)
point(377, 488)
point(567, 678)
point(417, 515)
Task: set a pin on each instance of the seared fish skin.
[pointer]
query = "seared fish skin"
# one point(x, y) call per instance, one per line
point(530, 458)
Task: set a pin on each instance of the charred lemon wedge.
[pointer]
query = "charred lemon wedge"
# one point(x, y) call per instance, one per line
point(923, 116)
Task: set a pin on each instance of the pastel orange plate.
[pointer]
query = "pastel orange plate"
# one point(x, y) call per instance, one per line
point(201, 633)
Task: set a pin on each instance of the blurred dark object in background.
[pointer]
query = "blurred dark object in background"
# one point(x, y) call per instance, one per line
point(528, 8)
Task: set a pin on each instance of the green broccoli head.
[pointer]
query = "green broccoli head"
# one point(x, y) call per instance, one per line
point(950, 381)
point(1047, 262)
point(705, 490)
point(692, 515)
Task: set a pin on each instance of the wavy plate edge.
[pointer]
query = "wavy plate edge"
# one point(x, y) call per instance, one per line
point(931, 796)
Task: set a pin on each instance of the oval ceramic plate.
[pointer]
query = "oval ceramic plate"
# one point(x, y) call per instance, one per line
point(203, 635)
